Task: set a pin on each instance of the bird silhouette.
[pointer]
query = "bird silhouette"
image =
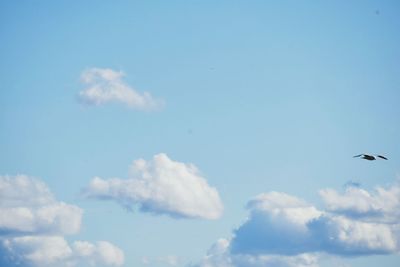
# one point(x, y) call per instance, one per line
point(370, 157)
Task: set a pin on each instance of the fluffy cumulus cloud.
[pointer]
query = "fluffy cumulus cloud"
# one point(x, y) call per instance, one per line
point(27, 206)
point(161, 186)
point(33, 225)
point(106, 85)
point(279, 218)
point(283, 230)
point(383, 204)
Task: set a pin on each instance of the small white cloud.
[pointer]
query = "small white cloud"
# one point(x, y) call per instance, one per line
point(161, 186)
point(33, 225)
point(106, 85)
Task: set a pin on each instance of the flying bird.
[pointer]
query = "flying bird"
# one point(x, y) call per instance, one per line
point(370, 157)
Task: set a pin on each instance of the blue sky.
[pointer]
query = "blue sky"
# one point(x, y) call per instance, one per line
point(260, 96)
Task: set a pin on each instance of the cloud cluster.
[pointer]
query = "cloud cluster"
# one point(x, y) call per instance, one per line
point(283, 230)
point(106, 85)
point(33, 225)
point(161, 186)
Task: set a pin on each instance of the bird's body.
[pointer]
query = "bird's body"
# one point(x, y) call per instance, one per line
point(370, 157)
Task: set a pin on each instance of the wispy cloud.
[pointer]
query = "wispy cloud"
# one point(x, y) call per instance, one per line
point(283, 230)
point(106, 86)
point(33, 225)
point(161, 186)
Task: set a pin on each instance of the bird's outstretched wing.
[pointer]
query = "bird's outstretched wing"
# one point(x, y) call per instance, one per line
point(365, 156)
point(382, 157)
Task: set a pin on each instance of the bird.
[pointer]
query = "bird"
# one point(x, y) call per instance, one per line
point(370, 157)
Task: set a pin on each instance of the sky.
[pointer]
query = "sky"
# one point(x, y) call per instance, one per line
point(199, 133)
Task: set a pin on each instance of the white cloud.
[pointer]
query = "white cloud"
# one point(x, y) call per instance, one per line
point(33, 224)
point(284, 207)
point(286, 225)
point(277, 225)
point(39, 250)
point(219, 255)
point(27, 206)
point(300, 260)
point(161, 186)
point(101, 253)
point(283, 230)
point(343, 236)
point(381, 204)
point(49, 251)
point(106, 85)
point(19, 190)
